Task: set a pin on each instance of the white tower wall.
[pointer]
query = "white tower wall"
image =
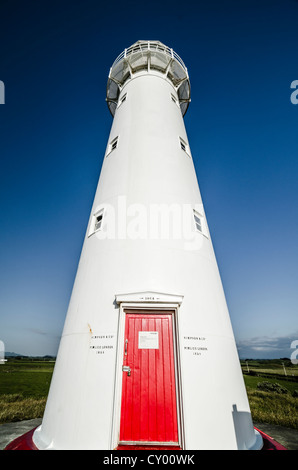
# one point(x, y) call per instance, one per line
point(125, 264)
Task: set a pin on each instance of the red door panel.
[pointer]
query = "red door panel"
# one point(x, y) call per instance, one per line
point(148, 408)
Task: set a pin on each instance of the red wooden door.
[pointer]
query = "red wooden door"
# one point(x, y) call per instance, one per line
point(148, 408)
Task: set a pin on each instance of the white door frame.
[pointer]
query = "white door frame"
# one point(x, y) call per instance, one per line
point(147, 301)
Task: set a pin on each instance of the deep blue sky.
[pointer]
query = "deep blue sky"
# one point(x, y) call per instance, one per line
point(242, 127)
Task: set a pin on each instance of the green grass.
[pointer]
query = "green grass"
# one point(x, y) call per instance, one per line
point(24, 386)
point(270, 407)
point(274, 366)
point(30, 378)
point(16, 407)
point(251, 382)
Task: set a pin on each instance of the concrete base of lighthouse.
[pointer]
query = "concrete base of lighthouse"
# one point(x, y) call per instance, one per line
point(26, 442)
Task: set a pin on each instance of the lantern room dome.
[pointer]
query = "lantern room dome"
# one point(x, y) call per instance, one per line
point(148, 56)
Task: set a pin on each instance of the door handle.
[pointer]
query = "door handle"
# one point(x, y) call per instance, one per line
point(126, 369)
point(125, 350)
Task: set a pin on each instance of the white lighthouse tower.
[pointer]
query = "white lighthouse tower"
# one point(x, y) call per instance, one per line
point(147, 355)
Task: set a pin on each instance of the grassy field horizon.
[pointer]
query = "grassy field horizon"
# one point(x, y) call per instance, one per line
point(272, 390)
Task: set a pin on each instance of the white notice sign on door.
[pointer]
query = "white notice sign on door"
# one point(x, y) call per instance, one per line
point(148, 340)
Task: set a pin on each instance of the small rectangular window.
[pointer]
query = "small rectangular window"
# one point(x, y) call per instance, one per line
point(198, 223)
point(96, 222)
point(198, 218)
point(112, 145)
point(184, 146)
point(175, 100)
point(121, 100)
